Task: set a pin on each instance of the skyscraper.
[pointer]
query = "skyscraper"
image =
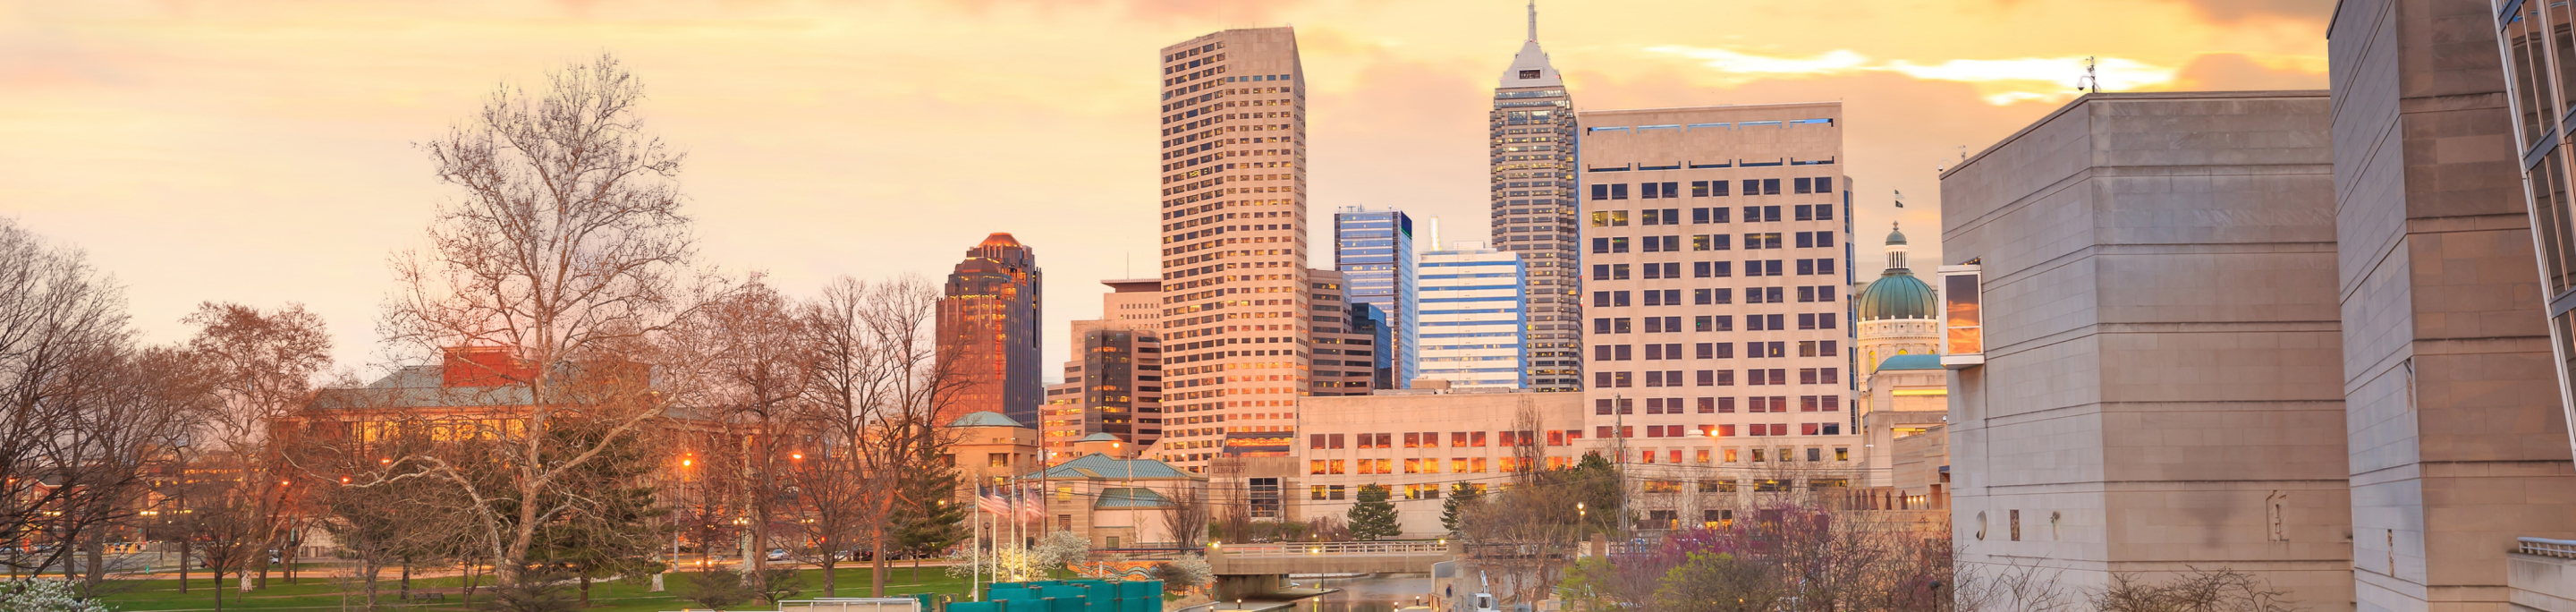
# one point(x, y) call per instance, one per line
point(1236, 331)
point(1715, 260)
point(1474, 319)
point(988, 326)
point(1533, 184)
point(1374, 250)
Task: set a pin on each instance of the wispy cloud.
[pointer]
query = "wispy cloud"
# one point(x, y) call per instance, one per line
point(2000, 81)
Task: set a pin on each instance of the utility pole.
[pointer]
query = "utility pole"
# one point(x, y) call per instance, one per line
point(1619, 432)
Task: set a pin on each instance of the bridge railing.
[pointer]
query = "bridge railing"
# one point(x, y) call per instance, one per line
point(1293, 549)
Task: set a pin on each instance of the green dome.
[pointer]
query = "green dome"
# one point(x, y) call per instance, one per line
point(1896, 295)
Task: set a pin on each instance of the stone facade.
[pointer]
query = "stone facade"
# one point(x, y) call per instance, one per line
point(2458, 443)
point(2162, 379)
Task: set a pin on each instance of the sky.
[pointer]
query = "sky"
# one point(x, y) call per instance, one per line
point(266, 151)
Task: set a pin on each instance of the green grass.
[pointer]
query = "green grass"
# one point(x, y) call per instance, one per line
point(320, 594)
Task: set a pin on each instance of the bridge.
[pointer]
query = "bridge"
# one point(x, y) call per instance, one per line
point(1251, 569)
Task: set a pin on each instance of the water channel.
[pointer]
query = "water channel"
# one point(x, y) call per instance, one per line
point(1367, 593)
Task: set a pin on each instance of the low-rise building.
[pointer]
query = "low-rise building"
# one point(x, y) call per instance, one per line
point(1418, 443)
point(1116, 503)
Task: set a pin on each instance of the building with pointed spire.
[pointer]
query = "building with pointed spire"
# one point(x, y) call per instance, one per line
point(988, 328)
point(1532, 140)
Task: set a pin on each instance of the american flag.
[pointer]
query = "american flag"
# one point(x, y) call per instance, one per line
point(991, 501)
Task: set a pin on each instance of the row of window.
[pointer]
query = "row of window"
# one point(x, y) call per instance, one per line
point(1714, 214)
point(1719, 378)
point(1710, 189)
point(1715, 405)
point(1713, 295)
point(1427, 439)
point(1712, 323)
point(1713, 350)
point(1710, 242)
point(1712, 269)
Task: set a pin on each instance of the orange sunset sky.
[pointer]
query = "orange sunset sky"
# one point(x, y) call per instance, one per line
point(261, 151)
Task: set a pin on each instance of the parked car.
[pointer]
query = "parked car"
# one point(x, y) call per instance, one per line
point(777, 554)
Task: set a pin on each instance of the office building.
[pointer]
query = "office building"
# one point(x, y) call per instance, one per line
point(988, 326)
point(1346, 345)
point(1235, 324)
point(1715, 275)
point(1532, 143)
point(1112, 374)
point(1373, 249)
point(1474, 319)
point(2454, 277)
point(2148, 378)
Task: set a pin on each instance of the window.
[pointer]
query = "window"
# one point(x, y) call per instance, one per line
point(1825, 184)
point(1619, 191)
point(1263, 496)
point(2016, 525)
point(1804, 185)
point(1000, 460)
point(1412, 440)
point(1315, 467)
point(1476, 439)
point(1458, 439)
point(1699, 189)
point(1771, 187)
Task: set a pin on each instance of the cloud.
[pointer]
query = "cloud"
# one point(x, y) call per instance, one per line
point(2000, 81)
point(2241, 72)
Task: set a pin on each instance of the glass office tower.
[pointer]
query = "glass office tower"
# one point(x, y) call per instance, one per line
point(1374, 250)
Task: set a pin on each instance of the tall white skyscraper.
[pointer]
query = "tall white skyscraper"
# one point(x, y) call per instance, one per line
point(1474, 319)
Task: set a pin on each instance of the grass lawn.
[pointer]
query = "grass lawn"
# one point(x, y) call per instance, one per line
point(162, 595)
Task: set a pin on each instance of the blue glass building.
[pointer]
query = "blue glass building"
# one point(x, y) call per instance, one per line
point(1373, 249)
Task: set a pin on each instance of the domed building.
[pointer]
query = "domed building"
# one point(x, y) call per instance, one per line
point(1904, 392)
point(1898, 314)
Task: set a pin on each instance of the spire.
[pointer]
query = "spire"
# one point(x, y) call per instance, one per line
point(1895, 248)
point(1533, 10)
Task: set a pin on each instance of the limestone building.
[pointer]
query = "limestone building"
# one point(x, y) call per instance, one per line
point(1715, 277)
point(2457, 420)
point(1419, 443)
point(2160, 385)
point(1532, 151)
point(1236, 327)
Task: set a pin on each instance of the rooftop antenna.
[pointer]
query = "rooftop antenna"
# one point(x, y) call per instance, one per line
point(1533, 10)
point(2088, 83)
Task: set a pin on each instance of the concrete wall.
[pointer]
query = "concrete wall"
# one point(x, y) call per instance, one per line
point(2457, 443)
point(2162, 379)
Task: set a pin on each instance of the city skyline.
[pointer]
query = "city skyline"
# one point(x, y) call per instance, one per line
point(302, 167)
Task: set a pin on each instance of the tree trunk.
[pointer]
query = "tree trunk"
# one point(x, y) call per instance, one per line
point(183, 565)
point(585, 589)
point(877, 567)
point(831, 571)
point(219, 589)
point(406, 579)
point(373, 569)
point(97, 563)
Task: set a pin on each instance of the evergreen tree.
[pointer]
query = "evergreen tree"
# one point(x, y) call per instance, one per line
point(620, 532)
point(1453, 513)
point(929, 520)
point(1373, 518)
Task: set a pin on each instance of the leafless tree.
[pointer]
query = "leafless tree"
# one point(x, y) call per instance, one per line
point(1188, 517)
point(567, 249)
point(85, 414)
point(260, 366)
point(878, 391)
point(2198, 590)
point(758, 358)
